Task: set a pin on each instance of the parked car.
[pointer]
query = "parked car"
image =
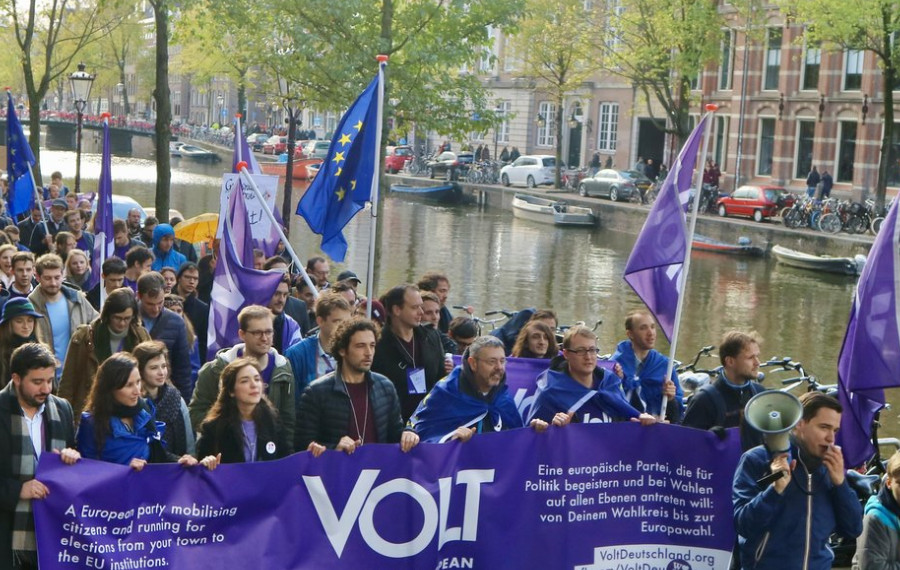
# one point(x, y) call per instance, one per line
point(275, 145)
point(615, 184)
point(300, 150)
point(757, 202)
point(450, 164)
point(396, 158)
point(532, 170)
point(317, 149)
point(256, 141)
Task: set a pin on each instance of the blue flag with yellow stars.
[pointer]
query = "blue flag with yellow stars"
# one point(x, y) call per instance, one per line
point(18, 157)
point(344, 182)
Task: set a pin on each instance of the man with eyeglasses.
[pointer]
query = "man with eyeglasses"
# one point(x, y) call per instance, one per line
point(472, 399)
point(167, 327)
point(287, 331)
point(256, 333)
point(574, 389)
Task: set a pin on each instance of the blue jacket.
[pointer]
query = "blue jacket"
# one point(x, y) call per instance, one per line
point(121, 445)
point(302, 357)
point(645, 385)
point(171, 258)
point(447, 407)
point(773, 528)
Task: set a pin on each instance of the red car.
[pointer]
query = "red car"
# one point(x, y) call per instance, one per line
point(275, 145)
point(757, 202)
point(396, 158)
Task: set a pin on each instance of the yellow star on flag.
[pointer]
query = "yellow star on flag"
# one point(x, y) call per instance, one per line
point(345, 139)
point(340, 194)
point(352, 185)
point(358, 125)
point(338, 157)
point(338, 171)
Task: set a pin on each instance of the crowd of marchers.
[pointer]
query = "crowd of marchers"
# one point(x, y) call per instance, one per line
point(127, 380)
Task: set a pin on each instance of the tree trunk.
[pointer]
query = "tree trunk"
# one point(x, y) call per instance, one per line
point(124, 81)
point(293, 115)
point(889, 77)
point(560, 101)
point(163, 111)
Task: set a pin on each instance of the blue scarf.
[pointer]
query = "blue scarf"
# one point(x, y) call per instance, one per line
point(648, 380)
point(446, 408)
point(603, 402)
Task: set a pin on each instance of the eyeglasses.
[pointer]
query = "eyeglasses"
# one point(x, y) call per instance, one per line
point(261, 334)
point(123, 320)
point(493, 362)
point(582, 351)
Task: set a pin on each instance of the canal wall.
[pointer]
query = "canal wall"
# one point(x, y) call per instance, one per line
point(629, 218)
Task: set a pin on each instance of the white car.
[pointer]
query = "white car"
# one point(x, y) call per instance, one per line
point(532, 170)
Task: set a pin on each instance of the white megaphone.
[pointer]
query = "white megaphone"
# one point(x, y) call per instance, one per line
point(774, 414)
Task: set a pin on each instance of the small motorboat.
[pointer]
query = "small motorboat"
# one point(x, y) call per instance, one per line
point(446, 193)
point(742, 247)
point(301, 169)
point(175, 148)
point(548, 211)
point(198, 153)
point(843, 265)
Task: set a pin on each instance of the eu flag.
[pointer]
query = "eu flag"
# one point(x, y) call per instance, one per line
point(344, 182)
point(18, 158)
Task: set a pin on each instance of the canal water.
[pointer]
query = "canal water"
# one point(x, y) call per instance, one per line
point(496, 261)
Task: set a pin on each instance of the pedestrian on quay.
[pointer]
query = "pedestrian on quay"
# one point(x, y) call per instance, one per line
point(786, 524)
point(812, 180)
point(827, 183)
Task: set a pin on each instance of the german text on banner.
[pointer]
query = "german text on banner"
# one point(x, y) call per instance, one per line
point(583, 497)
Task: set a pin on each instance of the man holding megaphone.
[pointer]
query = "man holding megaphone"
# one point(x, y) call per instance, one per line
point(791, 493)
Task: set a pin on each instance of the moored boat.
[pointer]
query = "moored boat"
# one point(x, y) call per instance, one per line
point(843, 265)
point(742, 247)
point(548, 211)
point(198, 153)
point(446, 193)
point(300, 169)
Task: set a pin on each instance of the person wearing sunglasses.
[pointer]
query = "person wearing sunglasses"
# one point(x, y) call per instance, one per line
point(257, 333)
point(574, 389)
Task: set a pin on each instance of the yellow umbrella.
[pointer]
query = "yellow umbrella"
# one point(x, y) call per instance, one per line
point(198, 229)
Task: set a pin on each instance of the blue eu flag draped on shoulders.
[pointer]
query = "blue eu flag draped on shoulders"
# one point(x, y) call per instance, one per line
point(18, 157)
point(344, 182)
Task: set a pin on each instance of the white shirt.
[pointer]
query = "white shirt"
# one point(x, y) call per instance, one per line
point(35, 430)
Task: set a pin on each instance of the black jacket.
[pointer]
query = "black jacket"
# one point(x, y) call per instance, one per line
point(393, 361)
point(325, 411)
point(297, 310)
point(198, 313)
point(270, 443)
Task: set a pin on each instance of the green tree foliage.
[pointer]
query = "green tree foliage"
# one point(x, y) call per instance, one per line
point(557, 51)
point(661, 46)
point(48, 37)
point(868, 26)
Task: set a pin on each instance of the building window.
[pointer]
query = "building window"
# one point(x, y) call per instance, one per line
point(853, 69)
point(846, 151)
point(546, 135)
point(504, 108)
point(608, 127)
point(806, 131)
point(727, 59)
point(766, 151)
point(773, 59)
point(614, 9)
point(490, 51)
point(812, 61)
point(721, 143)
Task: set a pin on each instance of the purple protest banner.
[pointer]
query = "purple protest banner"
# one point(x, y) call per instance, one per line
point(586, 496)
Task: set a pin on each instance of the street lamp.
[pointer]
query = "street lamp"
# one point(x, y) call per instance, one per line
point(81, 91)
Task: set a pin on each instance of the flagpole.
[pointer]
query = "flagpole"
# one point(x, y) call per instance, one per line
point(698, 193)
point(376, 183)
point(102, 235)
point(242, 169)
point(39, 198)
point(237, 141)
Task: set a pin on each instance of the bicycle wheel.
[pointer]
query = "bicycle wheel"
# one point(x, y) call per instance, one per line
point(789, 217)
point(830, 223)
point(813, 220)
point(876, 225)
point(858, 224)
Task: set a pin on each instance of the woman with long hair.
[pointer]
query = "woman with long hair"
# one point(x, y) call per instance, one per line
point(17, 326)
point(153, 365)
point(78, 269)
point(116, 329)
point(119, 426)
point(242, 425)
point(535, 340)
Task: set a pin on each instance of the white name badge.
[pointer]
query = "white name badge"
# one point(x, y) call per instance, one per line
point(415, 380)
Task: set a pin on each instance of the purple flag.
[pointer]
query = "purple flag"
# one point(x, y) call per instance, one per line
point(654, 266)
point(870, 355)
point(242, 152)
point(104, 244)
point(235, 284)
